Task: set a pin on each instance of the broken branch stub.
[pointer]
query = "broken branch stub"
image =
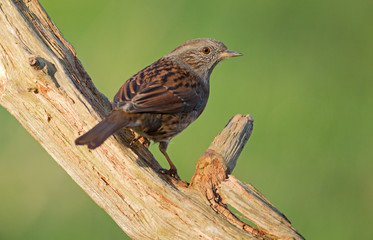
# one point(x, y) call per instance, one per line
point(230, 142)
point(212, 179)
point(45, 87)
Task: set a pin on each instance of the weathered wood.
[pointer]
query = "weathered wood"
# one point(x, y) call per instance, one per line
point(230, 142)
point(256, 208)
point(218, 161)
point(44, 85)
point(213, 180)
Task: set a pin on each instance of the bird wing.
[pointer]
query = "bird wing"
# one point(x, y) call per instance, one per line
point(163, 87)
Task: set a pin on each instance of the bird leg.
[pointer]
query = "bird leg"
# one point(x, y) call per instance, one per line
point(143, 140)
point(172, 171)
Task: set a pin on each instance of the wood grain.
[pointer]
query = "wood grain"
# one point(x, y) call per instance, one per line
point(44, 85)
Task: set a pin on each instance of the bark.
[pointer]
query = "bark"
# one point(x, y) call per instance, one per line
point(44, 85)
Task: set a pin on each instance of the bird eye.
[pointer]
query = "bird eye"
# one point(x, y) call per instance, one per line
point(206, 50)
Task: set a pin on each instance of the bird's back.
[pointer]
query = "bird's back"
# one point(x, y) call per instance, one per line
point(163, 87)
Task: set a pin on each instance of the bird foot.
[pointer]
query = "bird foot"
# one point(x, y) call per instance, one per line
point(171, 172)
point(143, 140)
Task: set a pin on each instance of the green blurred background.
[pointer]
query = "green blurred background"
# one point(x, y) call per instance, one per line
point(306, 78)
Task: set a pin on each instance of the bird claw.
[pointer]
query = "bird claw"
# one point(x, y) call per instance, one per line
point(138, 138)
point(171, 172)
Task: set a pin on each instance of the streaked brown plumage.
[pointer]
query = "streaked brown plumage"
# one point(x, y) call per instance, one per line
point(161, 100)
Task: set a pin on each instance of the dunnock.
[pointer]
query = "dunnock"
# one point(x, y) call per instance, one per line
point(161, 100)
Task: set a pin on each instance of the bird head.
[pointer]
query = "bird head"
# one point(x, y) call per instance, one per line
point(201, 55)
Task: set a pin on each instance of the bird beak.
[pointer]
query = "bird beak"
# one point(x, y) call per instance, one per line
point(228, 53)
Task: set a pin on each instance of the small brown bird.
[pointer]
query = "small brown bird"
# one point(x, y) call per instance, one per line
point(161, 100)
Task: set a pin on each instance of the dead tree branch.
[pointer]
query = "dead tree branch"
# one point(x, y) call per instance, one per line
point(44, 85)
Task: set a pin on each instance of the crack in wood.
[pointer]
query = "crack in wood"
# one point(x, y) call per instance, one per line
point(146, 200)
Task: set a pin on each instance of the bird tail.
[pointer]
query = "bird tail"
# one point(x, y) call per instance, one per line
point(98, 134)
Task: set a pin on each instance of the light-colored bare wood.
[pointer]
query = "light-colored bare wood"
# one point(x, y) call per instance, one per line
point(44, 85)
point(238, 130)
point(212, 178)
point(256, 208)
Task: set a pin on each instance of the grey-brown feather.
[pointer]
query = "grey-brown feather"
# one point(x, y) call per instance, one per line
point(97, 135)
point(161, 100)
point(170, 89)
